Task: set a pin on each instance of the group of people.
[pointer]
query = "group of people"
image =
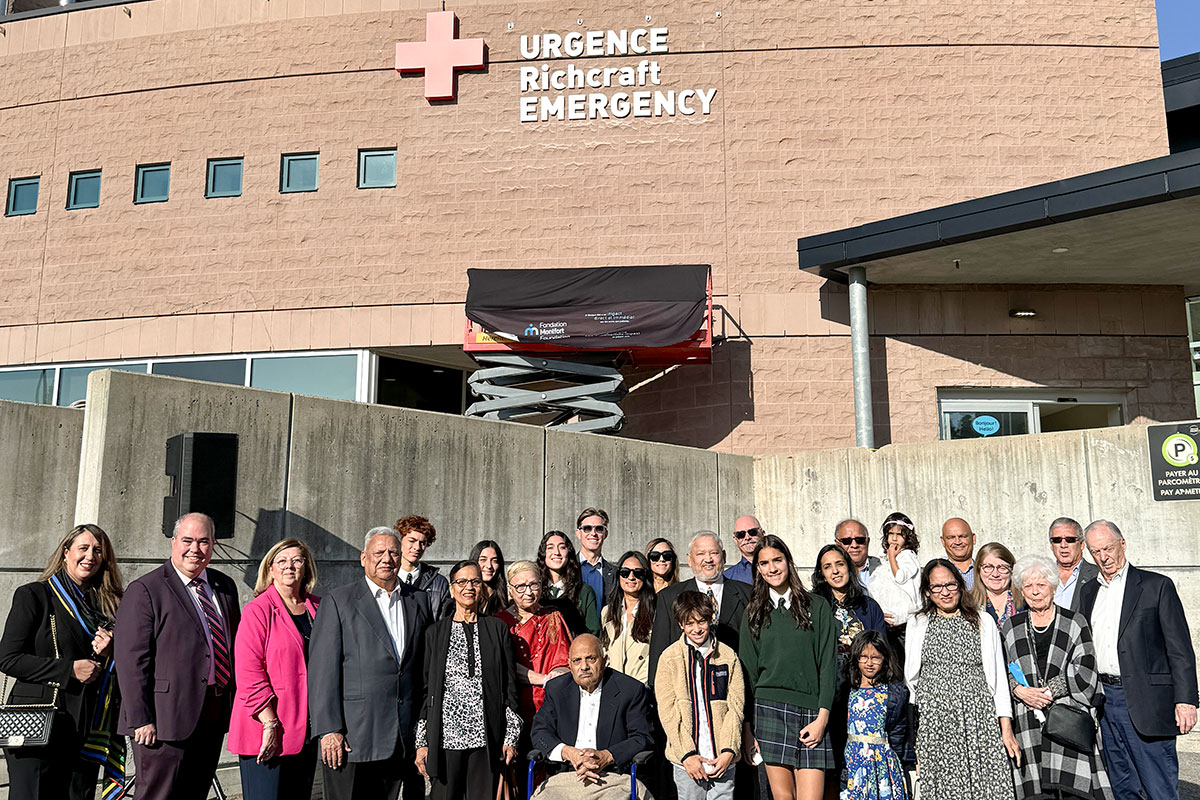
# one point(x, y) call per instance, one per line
point(987, 676)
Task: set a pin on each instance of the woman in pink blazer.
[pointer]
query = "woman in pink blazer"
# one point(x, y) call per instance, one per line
point(269, 727)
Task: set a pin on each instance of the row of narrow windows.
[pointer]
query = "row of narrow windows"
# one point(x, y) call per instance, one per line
point(152, 184)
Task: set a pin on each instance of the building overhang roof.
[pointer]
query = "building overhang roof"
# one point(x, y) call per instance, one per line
point(1135, 224)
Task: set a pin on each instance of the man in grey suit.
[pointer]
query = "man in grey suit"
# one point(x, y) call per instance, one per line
point(1066, 542)
point(365, 678)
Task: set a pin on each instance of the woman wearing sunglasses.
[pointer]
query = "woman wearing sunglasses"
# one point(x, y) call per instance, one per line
point(629, 617)
point(664, 564)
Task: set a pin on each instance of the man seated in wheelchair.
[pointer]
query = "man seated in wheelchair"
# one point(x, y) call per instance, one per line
point(595, 721)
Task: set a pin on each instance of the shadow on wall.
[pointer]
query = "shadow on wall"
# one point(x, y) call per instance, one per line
point(697, 405)
point(337, 559)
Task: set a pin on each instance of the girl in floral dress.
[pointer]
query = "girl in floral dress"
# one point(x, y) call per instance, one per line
point(878, 747)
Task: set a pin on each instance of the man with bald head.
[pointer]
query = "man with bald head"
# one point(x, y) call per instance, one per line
point(746, 532)
point(959, 541)
point(706, 557)
point(595, 721)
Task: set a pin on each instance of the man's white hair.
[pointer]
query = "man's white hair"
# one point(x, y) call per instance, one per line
point(1103, 523)
point(380, 530)
point(705, 534)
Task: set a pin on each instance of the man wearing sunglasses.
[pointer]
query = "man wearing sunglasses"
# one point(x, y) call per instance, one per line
point(746, 531)
point(1066, 542)
point(591, 528)
point(853, 537)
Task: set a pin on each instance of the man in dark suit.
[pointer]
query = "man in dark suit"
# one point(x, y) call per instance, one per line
point(595, 720)
point(1147, 668)
point(1066, 542)
point(174, 658)
point(706, 557)
point(364, 678)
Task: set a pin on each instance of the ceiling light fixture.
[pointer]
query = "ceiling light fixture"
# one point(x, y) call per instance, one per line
point(1058, 251)
point(1022, 313)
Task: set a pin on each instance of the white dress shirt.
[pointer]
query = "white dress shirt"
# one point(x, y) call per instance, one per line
point(409, 577)
point(192, 590)
point(393, 613)
point(786, 597)
point(1065, 592)
point(717, 588)
point(589, 720)
point(1106, 621)
point(704, 737)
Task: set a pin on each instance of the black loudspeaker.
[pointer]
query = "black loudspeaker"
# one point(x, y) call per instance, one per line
point(203, 471)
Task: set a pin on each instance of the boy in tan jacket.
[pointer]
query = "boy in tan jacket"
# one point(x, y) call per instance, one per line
point(701, 699)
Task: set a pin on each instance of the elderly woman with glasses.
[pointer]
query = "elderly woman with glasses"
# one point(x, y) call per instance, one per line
point(540, 635)
point(1053, 648)
point(629, 617)
point(955, 670)
point(994, 591)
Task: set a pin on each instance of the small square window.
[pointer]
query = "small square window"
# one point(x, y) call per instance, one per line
point(298, 173)
point(83, 190)
point(153, 184)
point(22, 197)
point(224, 178)
point(377, 169)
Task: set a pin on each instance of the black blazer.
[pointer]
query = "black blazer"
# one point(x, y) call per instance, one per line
point(355, 685)
point(499, 686)
point(624, 728)
point(1154, 649)
point(1087, 572)
point(27, 654)
point(735, 596)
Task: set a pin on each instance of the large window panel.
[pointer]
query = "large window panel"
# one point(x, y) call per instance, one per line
point(333, 376)
point(28, 385)
point(72, 381)
point(226, 370)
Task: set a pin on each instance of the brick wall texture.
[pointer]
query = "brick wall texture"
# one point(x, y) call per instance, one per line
point(827, 115)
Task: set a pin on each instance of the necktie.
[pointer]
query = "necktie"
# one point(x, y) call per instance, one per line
point(216, 629)
point(712, 598)
point(779, 603)
point(410, 578)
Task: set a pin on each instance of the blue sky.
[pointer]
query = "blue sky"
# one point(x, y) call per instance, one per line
point(1178, 27)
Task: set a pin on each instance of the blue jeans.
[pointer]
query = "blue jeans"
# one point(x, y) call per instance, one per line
point(1137, 766)
point(281, 778)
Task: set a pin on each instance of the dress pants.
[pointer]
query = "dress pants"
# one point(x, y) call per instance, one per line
point(469, 774)
point(1137, 766)
point(375, 780)
point(53, 772)
point(688, 789)
point(184, 770)
point(281, 778)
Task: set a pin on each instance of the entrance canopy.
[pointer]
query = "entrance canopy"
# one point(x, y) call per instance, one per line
point(654, 314)
point(1136, 224)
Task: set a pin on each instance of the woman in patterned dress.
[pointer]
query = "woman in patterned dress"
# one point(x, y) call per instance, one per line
point(853, 612)
point(878, 750)
point(539, 634)
point(1053, 646)
point(955, 669)
point(468, 727)
point(994, 591)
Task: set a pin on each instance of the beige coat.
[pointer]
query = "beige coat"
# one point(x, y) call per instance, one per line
point(626, 654)
point(675, 705)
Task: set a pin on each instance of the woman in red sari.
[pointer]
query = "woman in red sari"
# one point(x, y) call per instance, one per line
point(540, 635)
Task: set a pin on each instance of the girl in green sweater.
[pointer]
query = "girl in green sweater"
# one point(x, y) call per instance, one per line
point(788, 647)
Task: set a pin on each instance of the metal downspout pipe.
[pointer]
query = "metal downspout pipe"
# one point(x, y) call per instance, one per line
point(860, 348)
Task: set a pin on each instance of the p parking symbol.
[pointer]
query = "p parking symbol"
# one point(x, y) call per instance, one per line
point(1180, 450)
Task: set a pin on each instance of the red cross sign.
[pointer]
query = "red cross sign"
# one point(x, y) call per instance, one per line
point(440, 55)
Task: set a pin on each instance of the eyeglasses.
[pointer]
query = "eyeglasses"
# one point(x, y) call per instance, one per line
point(654, 556)
point(284, 563)
point(595, 528)
point(626, 572)
point(854, 540)
point(871, 659)
point(739, 535)
point(998, 569)
point(1064, 539)
point(525, 588)
point(463, 583)
point(943, 588)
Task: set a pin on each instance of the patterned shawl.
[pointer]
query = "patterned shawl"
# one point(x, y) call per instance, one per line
point(102, 745)
point(1072, 678)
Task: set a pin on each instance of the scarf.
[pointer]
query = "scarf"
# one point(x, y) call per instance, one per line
point(102, 744)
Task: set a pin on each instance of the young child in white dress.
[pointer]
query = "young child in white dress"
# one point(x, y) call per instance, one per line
point(894, 585)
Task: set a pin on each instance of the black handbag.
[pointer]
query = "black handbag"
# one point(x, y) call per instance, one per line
point(1070, 726)
point(28, 725)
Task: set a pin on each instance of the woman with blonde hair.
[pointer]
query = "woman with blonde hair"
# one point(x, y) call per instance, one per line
point(58, 645)
point(994, 591)
point(268, 729)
